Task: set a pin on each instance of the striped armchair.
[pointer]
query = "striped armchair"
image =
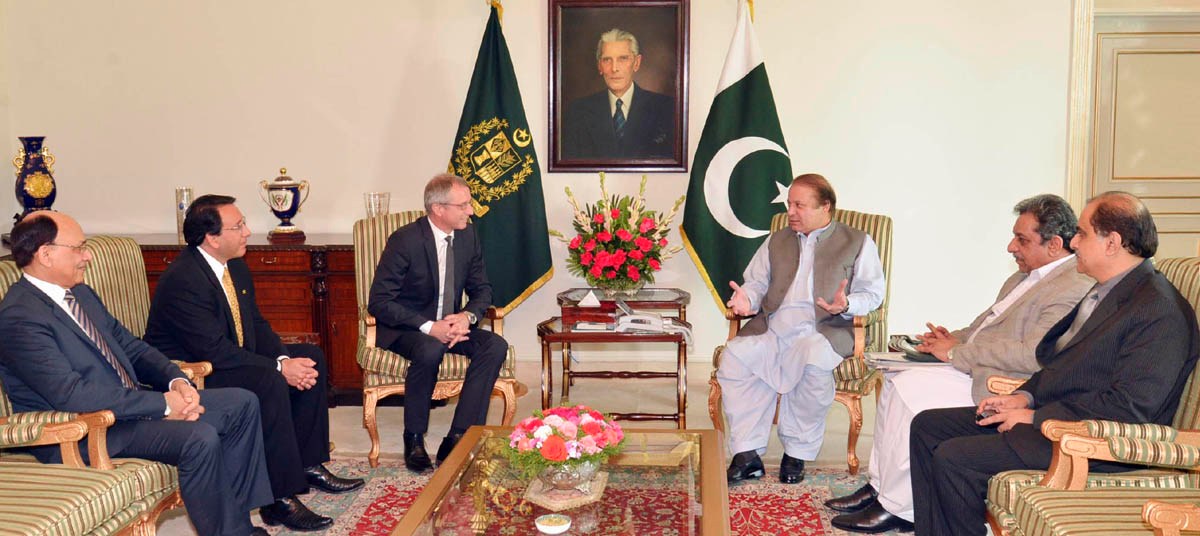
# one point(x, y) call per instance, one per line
point(854, 378)
point(384, 371)
point(1066, 499)
point(113, 496)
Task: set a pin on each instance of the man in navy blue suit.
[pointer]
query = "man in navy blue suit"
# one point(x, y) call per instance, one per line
point(416, 298)
point(625, 120)
point(63, 351)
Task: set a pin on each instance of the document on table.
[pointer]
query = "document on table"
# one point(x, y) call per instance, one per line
point(897, 361)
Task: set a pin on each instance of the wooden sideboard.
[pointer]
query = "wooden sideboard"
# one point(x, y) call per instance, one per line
point(300, 288)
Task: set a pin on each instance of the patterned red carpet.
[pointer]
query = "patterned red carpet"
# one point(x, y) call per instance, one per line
point(758, 508)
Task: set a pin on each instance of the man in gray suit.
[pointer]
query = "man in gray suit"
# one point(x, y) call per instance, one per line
point(1001, 341)
point(1123, 354)
point(63, 351)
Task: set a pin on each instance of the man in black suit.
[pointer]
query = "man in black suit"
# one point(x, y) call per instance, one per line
point(63, 351)
point(416, 300)
point(1123, 354)
point(625, 120)
point(191, 318)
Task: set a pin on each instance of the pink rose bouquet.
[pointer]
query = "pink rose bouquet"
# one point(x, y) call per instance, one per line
point(563, 435)
point(618, 243)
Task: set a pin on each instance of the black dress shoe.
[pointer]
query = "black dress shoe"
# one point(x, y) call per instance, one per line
point(871, 520)
point(745, 465)
point(294, 515)
point(791, 470)
point(415, 457)
point(447, 445)
point(854, 502)
point(319, 477)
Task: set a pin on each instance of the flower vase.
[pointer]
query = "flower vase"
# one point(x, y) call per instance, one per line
point(566, 477)
point(625, 292)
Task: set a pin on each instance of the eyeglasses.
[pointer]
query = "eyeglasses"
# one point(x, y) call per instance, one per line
point(461, 206)
point(83, 246)
point(239, 227)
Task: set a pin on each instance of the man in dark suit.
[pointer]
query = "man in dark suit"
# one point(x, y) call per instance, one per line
point(416, 300)
point(63, 351)
point(625, 120)
point(1123, 354)
point(204, 309)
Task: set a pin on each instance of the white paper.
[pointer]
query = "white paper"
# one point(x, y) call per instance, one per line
point(589, 300)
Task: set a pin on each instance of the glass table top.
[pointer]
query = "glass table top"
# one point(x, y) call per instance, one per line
point(653, 487)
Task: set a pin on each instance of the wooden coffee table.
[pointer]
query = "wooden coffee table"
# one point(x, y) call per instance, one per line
point(680, 472)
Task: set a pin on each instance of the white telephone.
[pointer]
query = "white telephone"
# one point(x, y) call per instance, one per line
point(628, 320)
point(640, 322)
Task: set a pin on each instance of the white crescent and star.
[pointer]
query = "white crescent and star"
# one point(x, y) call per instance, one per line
point(718, 175)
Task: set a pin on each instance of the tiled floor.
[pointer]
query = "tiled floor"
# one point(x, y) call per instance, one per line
point(654, 395)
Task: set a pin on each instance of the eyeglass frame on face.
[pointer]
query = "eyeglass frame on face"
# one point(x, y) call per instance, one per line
point(461, 206)
point(82, 247)
point(241, 226)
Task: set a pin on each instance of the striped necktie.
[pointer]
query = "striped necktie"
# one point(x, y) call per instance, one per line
point(90, 329)
point(234, 309)
point(619, 120)
point(448, 284)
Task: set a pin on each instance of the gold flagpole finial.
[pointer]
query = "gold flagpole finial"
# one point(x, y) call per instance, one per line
point(750, 4)
point(499, 9)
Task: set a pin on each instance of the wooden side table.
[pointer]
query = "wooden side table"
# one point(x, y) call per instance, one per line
point(553, 332)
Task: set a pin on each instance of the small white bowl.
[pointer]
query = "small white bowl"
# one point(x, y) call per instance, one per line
point(553, 523)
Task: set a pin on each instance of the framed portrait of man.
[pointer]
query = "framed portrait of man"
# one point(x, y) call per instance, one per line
point(618, 85)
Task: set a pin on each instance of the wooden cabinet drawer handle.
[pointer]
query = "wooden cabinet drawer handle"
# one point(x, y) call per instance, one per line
point(271, 260)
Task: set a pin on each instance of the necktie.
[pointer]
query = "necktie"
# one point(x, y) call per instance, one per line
point(1086, 307)
point(619, 119)
point(448, 284)
point(90, 329)
point(231, 297)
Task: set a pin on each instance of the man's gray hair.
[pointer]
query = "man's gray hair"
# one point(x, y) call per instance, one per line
point(1054, 215)
point(438, 189)
point(614, 35)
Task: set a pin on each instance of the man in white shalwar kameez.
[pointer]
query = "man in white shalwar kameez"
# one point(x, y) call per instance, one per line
point(1001, 341)
point(792, 345)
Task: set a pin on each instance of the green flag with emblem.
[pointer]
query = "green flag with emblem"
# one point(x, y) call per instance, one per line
point(493, 151)
point(741, 171)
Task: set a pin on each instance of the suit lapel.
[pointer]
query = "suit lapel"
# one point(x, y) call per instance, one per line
point(61, 315)
point(65, 318)
point(199, 263)
point(1035, 290)
point(1111, 303)
point(430, 255)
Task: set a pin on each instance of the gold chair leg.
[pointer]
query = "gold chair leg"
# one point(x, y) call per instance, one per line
point(370, 400)
point(714, 404)
point(506, 390)
point(853, 405)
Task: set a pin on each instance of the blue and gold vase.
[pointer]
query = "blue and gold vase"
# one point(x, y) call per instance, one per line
point(282, 195)
point(35, 180)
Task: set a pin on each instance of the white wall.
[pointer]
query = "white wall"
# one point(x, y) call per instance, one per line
point(941, 113)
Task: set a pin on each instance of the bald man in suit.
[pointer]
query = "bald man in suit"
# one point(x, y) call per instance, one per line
point(63, 351)
point(1123, 354)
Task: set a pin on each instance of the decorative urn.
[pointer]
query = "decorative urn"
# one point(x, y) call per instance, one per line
point(35, 180)
point(282, 196)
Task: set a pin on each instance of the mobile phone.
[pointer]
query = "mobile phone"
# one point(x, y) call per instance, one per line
point(985, 414)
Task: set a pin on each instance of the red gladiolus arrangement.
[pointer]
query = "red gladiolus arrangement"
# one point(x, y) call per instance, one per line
point(618, 243)
point(563, 435)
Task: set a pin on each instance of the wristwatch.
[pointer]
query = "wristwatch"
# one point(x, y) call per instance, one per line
point(470, 316)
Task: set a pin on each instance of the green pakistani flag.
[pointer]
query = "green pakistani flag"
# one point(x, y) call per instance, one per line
point(741, 171)
point(493, 151)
